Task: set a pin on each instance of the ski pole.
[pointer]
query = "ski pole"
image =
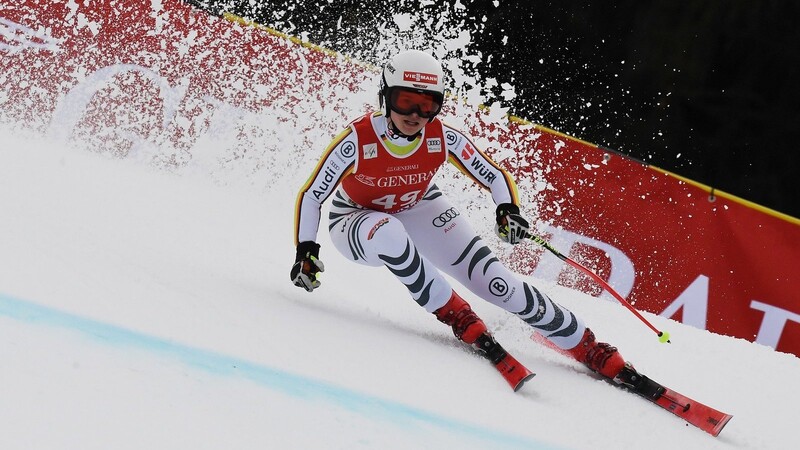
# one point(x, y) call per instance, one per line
point(663, 336)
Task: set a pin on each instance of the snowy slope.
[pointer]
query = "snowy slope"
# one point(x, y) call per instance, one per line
point(147, 309)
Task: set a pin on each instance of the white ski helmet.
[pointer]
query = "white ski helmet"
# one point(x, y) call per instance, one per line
point(412, 70)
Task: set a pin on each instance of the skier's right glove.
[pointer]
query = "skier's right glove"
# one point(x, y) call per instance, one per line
point(307, 266)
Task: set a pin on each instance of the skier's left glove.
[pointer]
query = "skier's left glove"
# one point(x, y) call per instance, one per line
point(511, 227)
point(307, 266)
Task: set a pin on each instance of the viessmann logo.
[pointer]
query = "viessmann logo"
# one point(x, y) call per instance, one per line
point(419, 77)
point(15, 37)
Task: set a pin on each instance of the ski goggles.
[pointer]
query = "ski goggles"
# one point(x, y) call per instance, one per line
point(406, 102)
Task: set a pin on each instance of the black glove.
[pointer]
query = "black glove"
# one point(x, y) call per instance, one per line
point(307, 266)
point(511, 227)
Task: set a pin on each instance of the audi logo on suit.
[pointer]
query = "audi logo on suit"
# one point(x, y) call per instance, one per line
point(442, 219)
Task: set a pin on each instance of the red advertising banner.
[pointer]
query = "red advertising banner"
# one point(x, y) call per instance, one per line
point(128, 77)
point(674, 247)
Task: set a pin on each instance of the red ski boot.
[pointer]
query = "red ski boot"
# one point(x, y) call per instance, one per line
point(598, 356)
point(467, 326)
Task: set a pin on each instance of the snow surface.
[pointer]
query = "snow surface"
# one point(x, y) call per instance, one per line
point(142, 308)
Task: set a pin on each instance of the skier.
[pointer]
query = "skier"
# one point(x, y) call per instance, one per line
point(386, 212)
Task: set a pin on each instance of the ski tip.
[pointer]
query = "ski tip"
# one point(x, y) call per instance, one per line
point(523, 381)
point(720, 425)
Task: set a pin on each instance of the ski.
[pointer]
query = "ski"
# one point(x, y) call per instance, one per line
point(513, 371)
point(698, 414)
point(702, 416)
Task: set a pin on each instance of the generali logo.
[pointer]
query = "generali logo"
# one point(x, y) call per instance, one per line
point(15, 37)
point(419, 77)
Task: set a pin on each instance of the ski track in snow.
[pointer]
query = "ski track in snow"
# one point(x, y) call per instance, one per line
point(146, 309)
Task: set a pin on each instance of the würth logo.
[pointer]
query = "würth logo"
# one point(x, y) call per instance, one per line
point(420, 77)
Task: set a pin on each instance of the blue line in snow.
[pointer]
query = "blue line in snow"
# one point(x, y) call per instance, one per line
point(281, 381)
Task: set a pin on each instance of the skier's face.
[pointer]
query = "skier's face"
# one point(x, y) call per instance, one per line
point(408, 124)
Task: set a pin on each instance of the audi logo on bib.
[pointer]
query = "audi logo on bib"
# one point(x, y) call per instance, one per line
point(442, 219)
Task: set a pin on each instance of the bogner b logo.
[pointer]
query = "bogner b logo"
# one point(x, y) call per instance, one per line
point(434, 145)
point(370, 151)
